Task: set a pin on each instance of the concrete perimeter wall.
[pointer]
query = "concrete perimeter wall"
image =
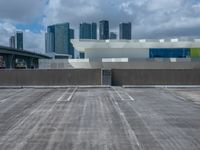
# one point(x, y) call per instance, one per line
point(155, 77)
point(93, 77)
point(50, 77)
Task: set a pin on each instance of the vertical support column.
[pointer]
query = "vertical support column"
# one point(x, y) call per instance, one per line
point(36, 63)
point(9, 61)
point(28, 62)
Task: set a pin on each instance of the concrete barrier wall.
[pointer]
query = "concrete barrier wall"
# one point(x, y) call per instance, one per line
point(93, 77)
point(50, 77)
point(155, 77)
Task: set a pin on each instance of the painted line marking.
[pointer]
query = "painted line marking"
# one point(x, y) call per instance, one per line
point(129, 131)
point(180, 97)
point(11, 96)
point(72, 94)
point(117, 93)
point(3, 100)
point(69, 98)
point(130, 97)
point(174, 94)
point(61, 97)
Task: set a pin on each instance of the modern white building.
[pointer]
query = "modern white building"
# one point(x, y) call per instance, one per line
point(95, 49)
point(132, 54)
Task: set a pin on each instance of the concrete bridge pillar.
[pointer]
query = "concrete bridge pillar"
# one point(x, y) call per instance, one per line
point(28, 62)
point(9, 60)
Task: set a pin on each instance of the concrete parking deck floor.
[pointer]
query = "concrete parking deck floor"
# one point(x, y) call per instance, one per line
point(112, 118)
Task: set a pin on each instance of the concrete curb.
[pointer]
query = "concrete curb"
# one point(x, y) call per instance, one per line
point(161, 86)
point(54, 87)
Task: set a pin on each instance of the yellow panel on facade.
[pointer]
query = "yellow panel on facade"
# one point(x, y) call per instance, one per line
point(195, 52)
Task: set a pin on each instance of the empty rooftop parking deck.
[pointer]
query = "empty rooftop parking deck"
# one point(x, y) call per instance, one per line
point(106, 118)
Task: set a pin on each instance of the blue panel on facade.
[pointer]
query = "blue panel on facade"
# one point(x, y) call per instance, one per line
point(169, 52)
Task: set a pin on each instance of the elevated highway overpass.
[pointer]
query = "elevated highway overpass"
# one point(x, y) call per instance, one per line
point(14, 58)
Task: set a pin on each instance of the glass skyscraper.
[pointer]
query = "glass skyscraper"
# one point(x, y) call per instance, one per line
point(71, 49)
point(85, 31)
point(12, 41)
point(50, 39)
point(19, 40)
point(57, 39)
point(94, 31)
point(88, 31)
point(62, 38)
point(104, 30)
point(71, 33)
point(125, 31)
point(49, 42)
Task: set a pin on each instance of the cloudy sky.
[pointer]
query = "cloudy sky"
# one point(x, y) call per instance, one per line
point(150, 18)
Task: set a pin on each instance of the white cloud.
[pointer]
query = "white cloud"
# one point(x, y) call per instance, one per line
point(167, 5)
point(126, 7)
point(74, 11)
point(147, 16)
point(32, 41)
point(21, 10)
point(6, 30)
point(150, 18)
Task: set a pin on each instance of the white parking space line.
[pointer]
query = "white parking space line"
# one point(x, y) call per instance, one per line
point(11, 96)
point(72, 94)
point(124, 92)
point(174, 94)
point(3, 100)
point(129, 131)
point(61, 98)
point(180, 97)
point(117, 93)
point(130, 97)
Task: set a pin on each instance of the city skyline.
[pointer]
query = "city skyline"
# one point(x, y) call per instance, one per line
point(150, 19)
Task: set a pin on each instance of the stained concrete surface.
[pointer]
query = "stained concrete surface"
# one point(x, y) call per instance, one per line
point(122, 77)
point(56, 77)
point(188, 94)
point(112, 118)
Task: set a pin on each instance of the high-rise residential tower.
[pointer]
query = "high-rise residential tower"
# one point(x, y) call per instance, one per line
point(49, 42)
point(125, 31)
point(71, 33)
point(12, 41)
point(19, 40)
point(104, 30)
point(62, 38)
point(94, 31)
point(85, 31)
point(57, 39)
point(71, 48)
point(88, 31)
point(50, 39)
